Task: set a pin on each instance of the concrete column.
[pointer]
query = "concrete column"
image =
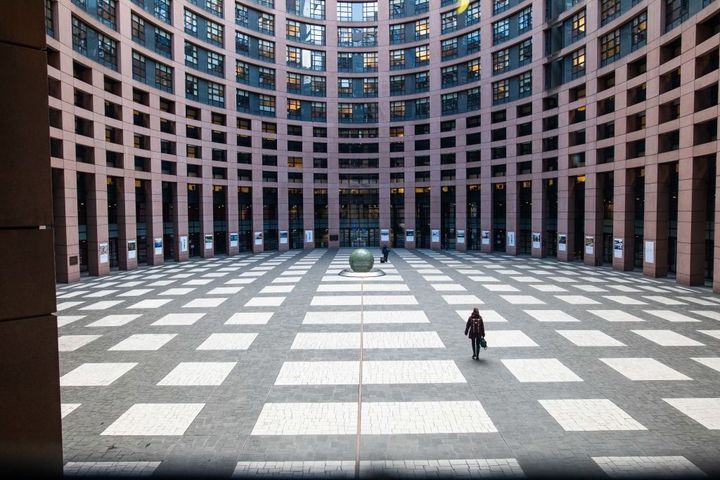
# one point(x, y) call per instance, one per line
point(30, 425)
point(127, 223)
point(486, 191)
point(283, 210)
point(461, 209)
point(257, 218)
point(565, 216)
point(233, 216)
point(410, 212)
point(716, 255)
point(308, 209)
point(692, 205)
point(180, 221)
point(435, 208)
point(97, 224)
point(511, 216)
point(333, 207)
point(656, 223)
point(624, 218)
point(538, 217)
point(593, 217)
point(65, 216)
point(206, 217)
point(154, 220)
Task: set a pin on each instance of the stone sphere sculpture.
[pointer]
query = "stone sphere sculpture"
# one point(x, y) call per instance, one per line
point(361, 260)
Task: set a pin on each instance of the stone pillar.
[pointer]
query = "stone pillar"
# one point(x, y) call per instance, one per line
point(233, 216)
point(206, 217)
point(716, 255)
point(97, 224)
point(656, 223)
point(511, 217)
point(486, 202)
point(410, 213)
point(624, 218)
point(692, 205)
point(30, 424)
point(65, 215)
point(308, 209)
point(180, 221)
point(257, 218)
point(565, 216)
point(538, 217)
point(333, 188)
point(283, 210)
point(154, 220)
point(593, 218)
point(127, 223)
point(435, 208)
point(461, 209)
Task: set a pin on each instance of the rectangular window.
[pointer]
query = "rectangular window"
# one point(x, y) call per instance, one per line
point(500, 91)
point(242, 72)
point(525, 84)
point(609, 9)
point(525, 20)
point(577, 65)
point(609, 47)
point(577, 25)
point(638, 31)
point(525, 52)
point(266, 105)
point(501, 61)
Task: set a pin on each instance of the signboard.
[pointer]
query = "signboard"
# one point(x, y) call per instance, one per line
point(485, 237)
point(650, 251)
point(132, 249)
point(208, 242)
point(562, 242)
point(589, 245)
point(618, 247)
point(158, 246)
point(104, 251)
point(510, 239)
point(183, 243)
point(258, 238)
point(283, 236)
point(536, 240)
point(308, 236)
point(460, 237)
point(234, 239)
point(384, 235)
point(435, 234)
point(409, 235)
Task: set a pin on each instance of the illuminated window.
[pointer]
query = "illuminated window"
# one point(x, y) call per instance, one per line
point(501, 91)
point(422, 29)
point(293, 108)
point(578, 25)
point(578, 62)
point(501, 60)
point(422, 55)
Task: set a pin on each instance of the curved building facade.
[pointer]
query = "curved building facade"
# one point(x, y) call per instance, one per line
point(564, 128)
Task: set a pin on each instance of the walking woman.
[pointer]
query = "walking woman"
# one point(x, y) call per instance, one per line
point(475, 330)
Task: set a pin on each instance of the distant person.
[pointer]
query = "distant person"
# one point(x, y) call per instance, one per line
point(385, 252)
point(475, 330)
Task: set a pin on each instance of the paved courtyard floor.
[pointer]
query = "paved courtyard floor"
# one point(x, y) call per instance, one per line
point(275, 365)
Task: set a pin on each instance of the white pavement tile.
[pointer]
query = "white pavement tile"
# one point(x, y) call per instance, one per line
point(668, 338)
point(438, 278)
point(590, 288)
point(136, 292)
point(712, 333)
point(198, 281)
point(526, 279)
point(671, 316)
point(711, 362)
point(522, 300)
point(462, 300)
point(114, 320)
point(659, 467)
point(239, 281)
point(103, 305)
point(371, 340)
point(590, 415)
point(577, 299)
point(224, 291)
point(204, 303)
point(488, 316)
point(540, 370)
point(95, 374)
point(179, 319)
point(663, 300)
point(148, 419)
point(616, 316)
point(286, 280)
point(357, 287)
point(63, 320)
point(641, 369)
point(65, 305)
point(228, 341)
point(500, 287)
point(705, 411)
point(355, 300)
point(144, 341)
point(101, 293)
point(508, 338)
point(369, 317)
point(249, 318)
point(67, 408)
point(548, 288)
point(378, 418)
point(483, 278)
point(624, 288)
point(624, 300)
point(374, 372)
point(698, 301)
point(448, 287)
point(590, 338)
point(161, 283)
point(265, 302)
point(714, 315)
point(551, 316)
point(70, 343)
point(277, 289)
point(198, 374)
point(151, 303)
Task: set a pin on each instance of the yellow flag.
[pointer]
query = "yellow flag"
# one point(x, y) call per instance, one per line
point(464, 4)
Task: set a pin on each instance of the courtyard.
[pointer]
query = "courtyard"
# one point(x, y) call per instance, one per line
point(252, 366)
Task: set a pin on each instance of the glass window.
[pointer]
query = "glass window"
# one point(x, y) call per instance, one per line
point(422, 82)
point(397, 59)
point(578, 25)
point(500, 6)
point(266, 104)
point(525, 84)
point(293, 108)
point(609, 9)
point(578, 63)
point(216, 94)
point(525, 52)
point(609, 47)
point(422, 55)
point(473, 13)
point(242, 72)
point(501, 91)
point(448, 48)
point(163, 77)
point(422, 29)
point(318, 111)
point(397, 110)
point(448, 22)
point(472, 39)
point(638, 30)
point(215, 33)
point(191, 23)
point(191, 87)
point(216, 63)
point(525, 20)
point(191, 55)
point(449, 103)
point(473, 70)
point(266, 49)
point(242, 101)
point(266, 77)
point(138, 66)
point(370, 87)
point(241, 15)
point(107, 12)
point(501, 60)
point(449, 76)
point(266, 23)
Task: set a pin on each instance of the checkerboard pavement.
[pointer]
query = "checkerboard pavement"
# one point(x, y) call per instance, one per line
point(250, 365)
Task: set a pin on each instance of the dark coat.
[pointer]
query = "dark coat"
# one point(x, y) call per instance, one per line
point(475, 327)
point(385, 250)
